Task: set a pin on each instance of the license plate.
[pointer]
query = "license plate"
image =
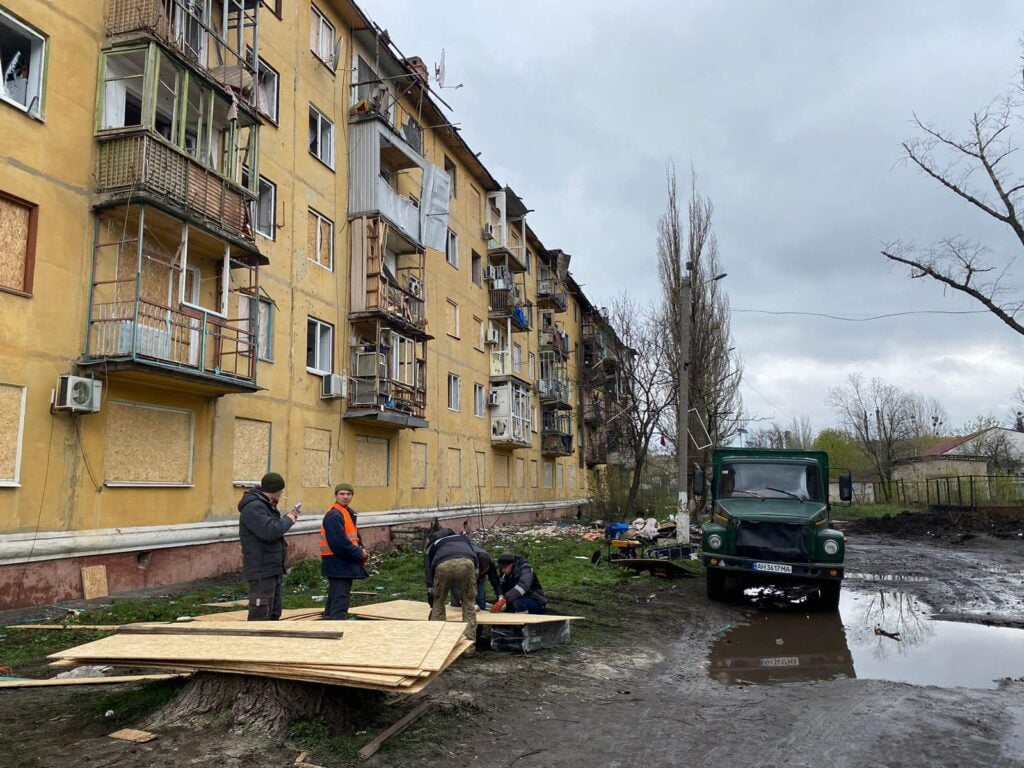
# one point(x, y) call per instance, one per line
point(773, 567)
point(781, 661)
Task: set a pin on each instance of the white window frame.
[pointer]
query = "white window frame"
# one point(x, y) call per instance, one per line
point(451, 249)
point(517, 357)
point(267, 229)
point(15, 482)
point(264, 70)
point(453, 174)
point(454, 392)
point(321, 119)
point(265, 328)
point(321, 329)
point(479, 400)
point(322, 222)
point(477, 269)
point(531, 361)
point(320, 29)
point(458, 331)
point(481, 331)
point(34, 90)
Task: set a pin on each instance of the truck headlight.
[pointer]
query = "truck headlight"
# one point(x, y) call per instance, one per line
point(715, 541)
point(831, 546)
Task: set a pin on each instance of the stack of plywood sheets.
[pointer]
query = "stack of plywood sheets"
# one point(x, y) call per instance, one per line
point(395, 656)
point(412, 610)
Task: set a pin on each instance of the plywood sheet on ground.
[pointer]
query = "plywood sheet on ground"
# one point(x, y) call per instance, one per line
point(288, 614)
point(61, 681)
point(94, 581)
point(375, 644)
point(412, 610)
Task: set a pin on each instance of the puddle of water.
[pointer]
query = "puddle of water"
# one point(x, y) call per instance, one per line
point(884, 576)
point(1013, 746)
point(791, 644)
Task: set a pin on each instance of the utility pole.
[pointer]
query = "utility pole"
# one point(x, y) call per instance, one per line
point(683, 407)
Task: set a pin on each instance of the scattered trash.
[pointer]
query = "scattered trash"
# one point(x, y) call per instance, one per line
point(184, 618)
point(893, 635)
point(109, 713)
point(86, 671)
point(582, 557)
point(779, 641)
point(318, 598)
point(726, 628)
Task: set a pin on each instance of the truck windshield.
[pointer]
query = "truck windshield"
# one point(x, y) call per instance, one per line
point(769, 481)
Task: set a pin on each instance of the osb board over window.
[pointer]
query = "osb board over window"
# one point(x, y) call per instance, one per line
point(454, 466)
point(252, 451)
point(520, 473)
point(418, 466)
point(147, 445)
point(12, 424)
point(481, 469)
point(316, 458)
point(500, 471)
point(18, 224)
point(372, 462)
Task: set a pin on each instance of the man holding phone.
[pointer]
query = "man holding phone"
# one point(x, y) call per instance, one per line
point(261, 530)
point(342, 555)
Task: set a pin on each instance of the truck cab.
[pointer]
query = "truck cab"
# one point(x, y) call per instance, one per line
point(771, 523)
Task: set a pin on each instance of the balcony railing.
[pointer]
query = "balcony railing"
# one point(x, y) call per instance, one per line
point(594, 413)
point(553, 391)
point(130, 165)
point(507, 303)
point(551, 294)
point(188, 339)
point(556, 445)
point(384, 296)
point(555, 340)
point(399, 209)
point(386, 395)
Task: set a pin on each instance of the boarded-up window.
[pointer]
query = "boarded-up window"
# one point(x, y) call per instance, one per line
point(320, 240)
point(18, 220)
point(252, 451)
point(454, 466)
point(572, 475)
point(559, 476)
point(500, 471)
point(12, 426)
point(451, 318)
point(520, 473)
point(147, 445)
point(373, 462)
point(418, 470)
point(534, 480)
point(481, 468)
point(549, 474)
point(316, 458)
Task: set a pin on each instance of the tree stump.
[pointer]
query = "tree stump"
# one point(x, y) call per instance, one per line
point(264, 704)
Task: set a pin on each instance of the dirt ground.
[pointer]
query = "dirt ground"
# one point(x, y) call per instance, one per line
point(646, 697)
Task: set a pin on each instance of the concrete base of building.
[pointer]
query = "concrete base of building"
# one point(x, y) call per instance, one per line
point(45, 568)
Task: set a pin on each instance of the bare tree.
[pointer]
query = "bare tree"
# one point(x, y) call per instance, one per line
point(801, 433)
point(648, 379)
point(1017, 409)
point(714, 371)
point(979, 169)
point(882, 419)
point(991, 441)
point(772, 436)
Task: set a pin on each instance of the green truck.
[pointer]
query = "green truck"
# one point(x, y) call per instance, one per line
point(771, 523)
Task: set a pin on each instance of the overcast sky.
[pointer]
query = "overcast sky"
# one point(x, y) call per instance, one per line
point(792, 114)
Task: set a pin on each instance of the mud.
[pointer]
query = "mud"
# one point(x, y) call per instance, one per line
point(650, 697)
point(955, 526)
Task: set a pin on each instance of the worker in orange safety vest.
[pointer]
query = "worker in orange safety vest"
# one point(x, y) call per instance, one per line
point(343, 557)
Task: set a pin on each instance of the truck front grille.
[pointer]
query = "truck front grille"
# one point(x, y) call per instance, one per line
point(771, 541)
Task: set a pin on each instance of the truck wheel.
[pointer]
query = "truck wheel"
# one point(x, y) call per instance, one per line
point(828, 598)
point(716, 585)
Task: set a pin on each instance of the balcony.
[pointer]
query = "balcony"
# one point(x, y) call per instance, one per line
point(218, 46)
point(387, 382)
point(551, 294)
point(507, 303)
point(554, 392)
point(510, 415)
point(594, 413)
point(140, 165)
point(554, 340)
point(513, 257)
point(503, 364)
point(556, 434)
point(386, 403)
point(386, 275)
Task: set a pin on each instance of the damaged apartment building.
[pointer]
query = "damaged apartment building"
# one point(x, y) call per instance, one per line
point(218, 258)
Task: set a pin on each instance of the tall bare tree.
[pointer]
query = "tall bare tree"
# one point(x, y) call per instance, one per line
point(979, 168)
point(691, 252)
point(882, 418)
point(649, 382)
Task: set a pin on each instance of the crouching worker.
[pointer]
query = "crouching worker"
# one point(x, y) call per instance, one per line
point(486, 571)
point(342, 555)
point(450, 563)
point(520, 589)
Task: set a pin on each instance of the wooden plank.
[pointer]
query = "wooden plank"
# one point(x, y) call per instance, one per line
point(131, 734)
point(371, 749)
point(460, 649)
point(250, 629)
point(288, 614)
point(53, 682)
point(94, 581)
point(228, 604)
point(413, 610)
point(93, 627)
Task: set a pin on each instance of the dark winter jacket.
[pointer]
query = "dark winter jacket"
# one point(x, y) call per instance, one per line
point(444, 544)
point(521, 582)
point(486, 569)
point(261, 530)
point(346, 562)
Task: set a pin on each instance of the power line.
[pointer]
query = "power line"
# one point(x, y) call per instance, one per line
point(773, 405)
point(872, 317)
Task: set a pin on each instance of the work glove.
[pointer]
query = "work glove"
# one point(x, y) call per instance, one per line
point(499, 606)
point(430, 598)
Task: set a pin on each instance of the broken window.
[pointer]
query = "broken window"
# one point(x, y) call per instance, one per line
point(321, 136)
point(267, 88)
point(123, 85)
point(449, 168)
point(320, 240)
point(319, 346)
point(321, 37)
point(264, 208)
point(22, 57)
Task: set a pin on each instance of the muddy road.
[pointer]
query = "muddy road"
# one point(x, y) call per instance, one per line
point(763, 683)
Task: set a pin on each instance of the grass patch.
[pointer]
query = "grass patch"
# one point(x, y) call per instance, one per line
point(139, 701)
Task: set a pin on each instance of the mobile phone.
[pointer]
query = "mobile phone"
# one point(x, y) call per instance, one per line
point(298, 505)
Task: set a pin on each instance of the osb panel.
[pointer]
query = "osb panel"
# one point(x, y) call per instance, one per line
point(94, 581)
point(147, 445)
point(371, 462)
point(413, 610)
point(311, 228)
point(316, 454)
point(14, 231)
point(252, 450)
point(500, 471)
point(10, 421)
point(533, 473)
point(454, 466)
point(520, 473)
point(451, 312)
point(418, 469)
point(481, 469)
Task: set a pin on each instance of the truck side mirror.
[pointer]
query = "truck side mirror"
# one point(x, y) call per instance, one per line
point(845, 488)
point(698, 482)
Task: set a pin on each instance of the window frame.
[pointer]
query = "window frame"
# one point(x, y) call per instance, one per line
point(454, 392)
point(451, 248)
point(477, 269)
point(481, 343)
point(30, 246)
point(321, 118)
point(15, 481)
point(324, 21)
point(458, 320)
point(320, 220)
point(479, 400)
point(274, 6)
point(262, 65)
point(264, 352)
point(319, 325)
point(453, 174)
point(42, 59)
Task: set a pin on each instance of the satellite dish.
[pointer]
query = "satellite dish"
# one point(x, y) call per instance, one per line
point(439, 71)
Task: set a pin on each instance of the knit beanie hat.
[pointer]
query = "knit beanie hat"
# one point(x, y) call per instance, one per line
point(344, 487)
point(272, 483)
point(506, 558)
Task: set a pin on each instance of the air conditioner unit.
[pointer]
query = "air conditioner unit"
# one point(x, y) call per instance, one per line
point(499, 427)
point(78, 394)
point(494, 398)
point(488, 231)
point(492, 336)
point(333, 385)
point(490, 273)
point(500, 284)
point(416, 287)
